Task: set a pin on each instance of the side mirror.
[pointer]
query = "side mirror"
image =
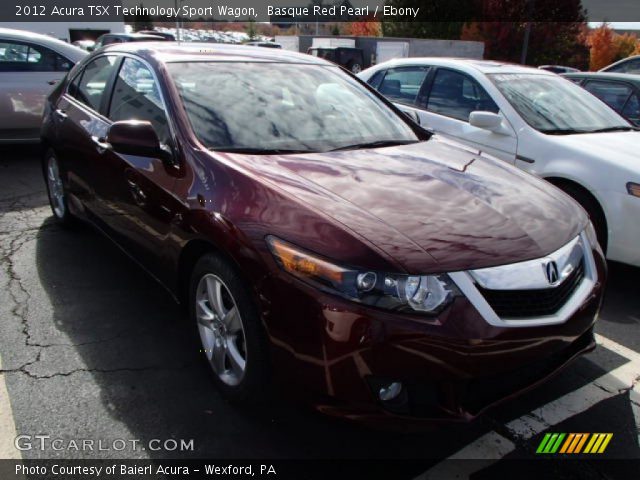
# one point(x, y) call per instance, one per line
point(485, 120)
point(134, 137)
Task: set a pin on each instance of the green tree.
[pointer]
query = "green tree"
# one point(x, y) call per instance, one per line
point(557, 31)
point(441, 19)
point(251, 29)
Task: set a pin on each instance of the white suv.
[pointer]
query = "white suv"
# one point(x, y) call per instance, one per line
point(536, 120)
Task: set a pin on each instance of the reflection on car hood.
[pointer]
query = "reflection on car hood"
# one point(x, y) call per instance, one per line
point(432, 206)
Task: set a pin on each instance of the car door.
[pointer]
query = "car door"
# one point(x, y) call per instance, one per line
point(402, 85)
point(28, 72)
point(80, 124)
point(140, 188)
point(445, 104)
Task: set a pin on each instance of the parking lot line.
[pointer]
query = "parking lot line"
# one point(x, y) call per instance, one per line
point(617, 348)
point(7, 424)
point(493, 446)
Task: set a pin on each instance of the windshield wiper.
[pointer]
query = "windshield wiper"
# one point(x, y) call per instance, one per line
point(258, 151)
point(375, 144)
point(620, 128)
point(569, 131)
point(563, 131)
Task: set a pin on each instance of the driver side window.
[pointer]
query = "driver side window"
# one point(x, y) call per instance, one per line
point(456, 95)
point(136, 96)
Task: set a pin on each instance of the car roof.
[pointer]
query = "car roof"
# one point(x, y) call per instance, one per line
point(196, 52)
point(67, 50)
point(627, 77)
point(624, 60)
point(484, 66)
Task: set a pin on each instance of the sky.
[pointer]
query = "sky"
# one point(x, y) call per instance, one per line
point(620, 25)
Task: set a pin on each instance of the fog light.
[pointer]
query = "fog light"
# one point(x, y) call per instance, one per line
point(390, 392)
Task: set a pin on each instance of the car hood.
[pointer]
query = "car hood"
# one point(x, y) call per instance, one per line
point(619, 148)
point(431, 206)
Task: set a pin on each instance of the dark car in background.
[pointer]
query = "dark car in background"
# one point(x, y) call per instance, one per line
point(620, 91)
point(318, 236)
point(263, 44)
point(626, 65)
point(111, 38)
point(558, 68)
point(350, 58)
point(167, 36)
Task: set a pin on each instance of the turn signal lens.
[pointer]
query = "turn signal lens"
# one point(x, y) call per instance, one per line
point(407, 293)
point(304, 264)
point(633, 189)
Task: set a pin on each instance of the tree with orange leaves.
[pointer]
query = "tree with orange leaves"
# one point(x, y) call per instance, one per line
point(603, 50)
point(625, 45)
point(368, 27)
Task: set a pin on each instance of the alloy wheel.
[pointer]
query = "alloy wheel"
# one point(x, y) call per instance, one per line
point(221, 329)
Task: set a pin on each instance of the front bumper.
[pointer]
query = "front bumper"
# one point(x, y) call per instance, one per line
point(452, 367)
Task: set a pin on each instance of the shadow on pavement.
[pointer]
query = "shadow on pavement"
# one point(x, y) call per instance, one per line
point(139, 349)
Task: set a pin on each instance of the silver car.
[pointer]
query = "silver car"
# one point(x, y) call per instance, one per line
point(30, 65)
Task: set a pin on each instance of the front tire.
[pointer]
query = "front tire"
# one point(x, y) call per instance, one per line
point(55, 189)
point(228, 330)
point(355, 68)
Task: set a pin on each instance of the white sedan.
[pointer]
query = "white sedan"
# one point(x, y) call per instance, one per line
point(536, 120)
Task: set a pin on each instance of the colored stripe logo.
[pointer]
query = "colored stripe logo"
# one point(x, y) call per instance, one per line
point(574, 443)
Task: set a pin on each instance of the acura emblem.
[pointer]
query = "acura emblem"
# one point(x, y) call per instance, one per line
point(551, 269)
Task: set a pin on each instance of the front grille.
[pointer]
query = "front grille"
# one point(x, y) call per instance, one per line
point(533, 303)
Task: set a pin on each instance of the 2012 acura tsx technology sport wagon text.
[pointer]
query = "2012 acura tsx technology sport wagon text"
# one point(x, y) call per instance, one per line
point(319, 237)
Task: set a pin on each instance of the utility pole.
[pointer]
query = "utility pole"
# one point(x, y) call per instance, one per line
point(178, 35)
point(530, 8)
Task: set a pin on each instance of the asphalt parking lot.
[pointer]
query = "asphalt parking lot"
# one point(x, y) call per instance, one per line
point(91, 347)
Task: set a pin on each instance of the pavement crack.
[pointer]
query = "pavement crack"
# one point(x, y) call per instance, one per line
point(34, 376)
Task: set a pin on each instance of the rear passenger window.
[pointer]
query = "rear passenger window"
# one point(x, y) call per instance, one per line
point(455, 95)
point(136, 96)
point(403, 84)
point(94, 81)
point(25, 57)
point(613, 94)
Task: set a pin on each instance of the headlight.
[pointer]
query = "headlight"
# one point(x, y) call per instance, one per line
point(590, 231)
point(398, 292)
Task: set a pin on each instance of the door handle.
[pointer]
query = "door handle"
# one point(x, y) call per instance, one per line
point(52, 82)
point(138, 194)
point(101, 144)
point(62, 115)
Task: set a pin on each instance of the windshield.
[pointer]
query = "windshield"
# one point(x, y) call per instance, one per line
point(555, 105)
point(266, 107)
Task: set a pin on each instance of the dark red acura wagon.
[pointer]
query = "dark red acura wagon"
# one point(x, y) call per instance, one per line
point(318, 236)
